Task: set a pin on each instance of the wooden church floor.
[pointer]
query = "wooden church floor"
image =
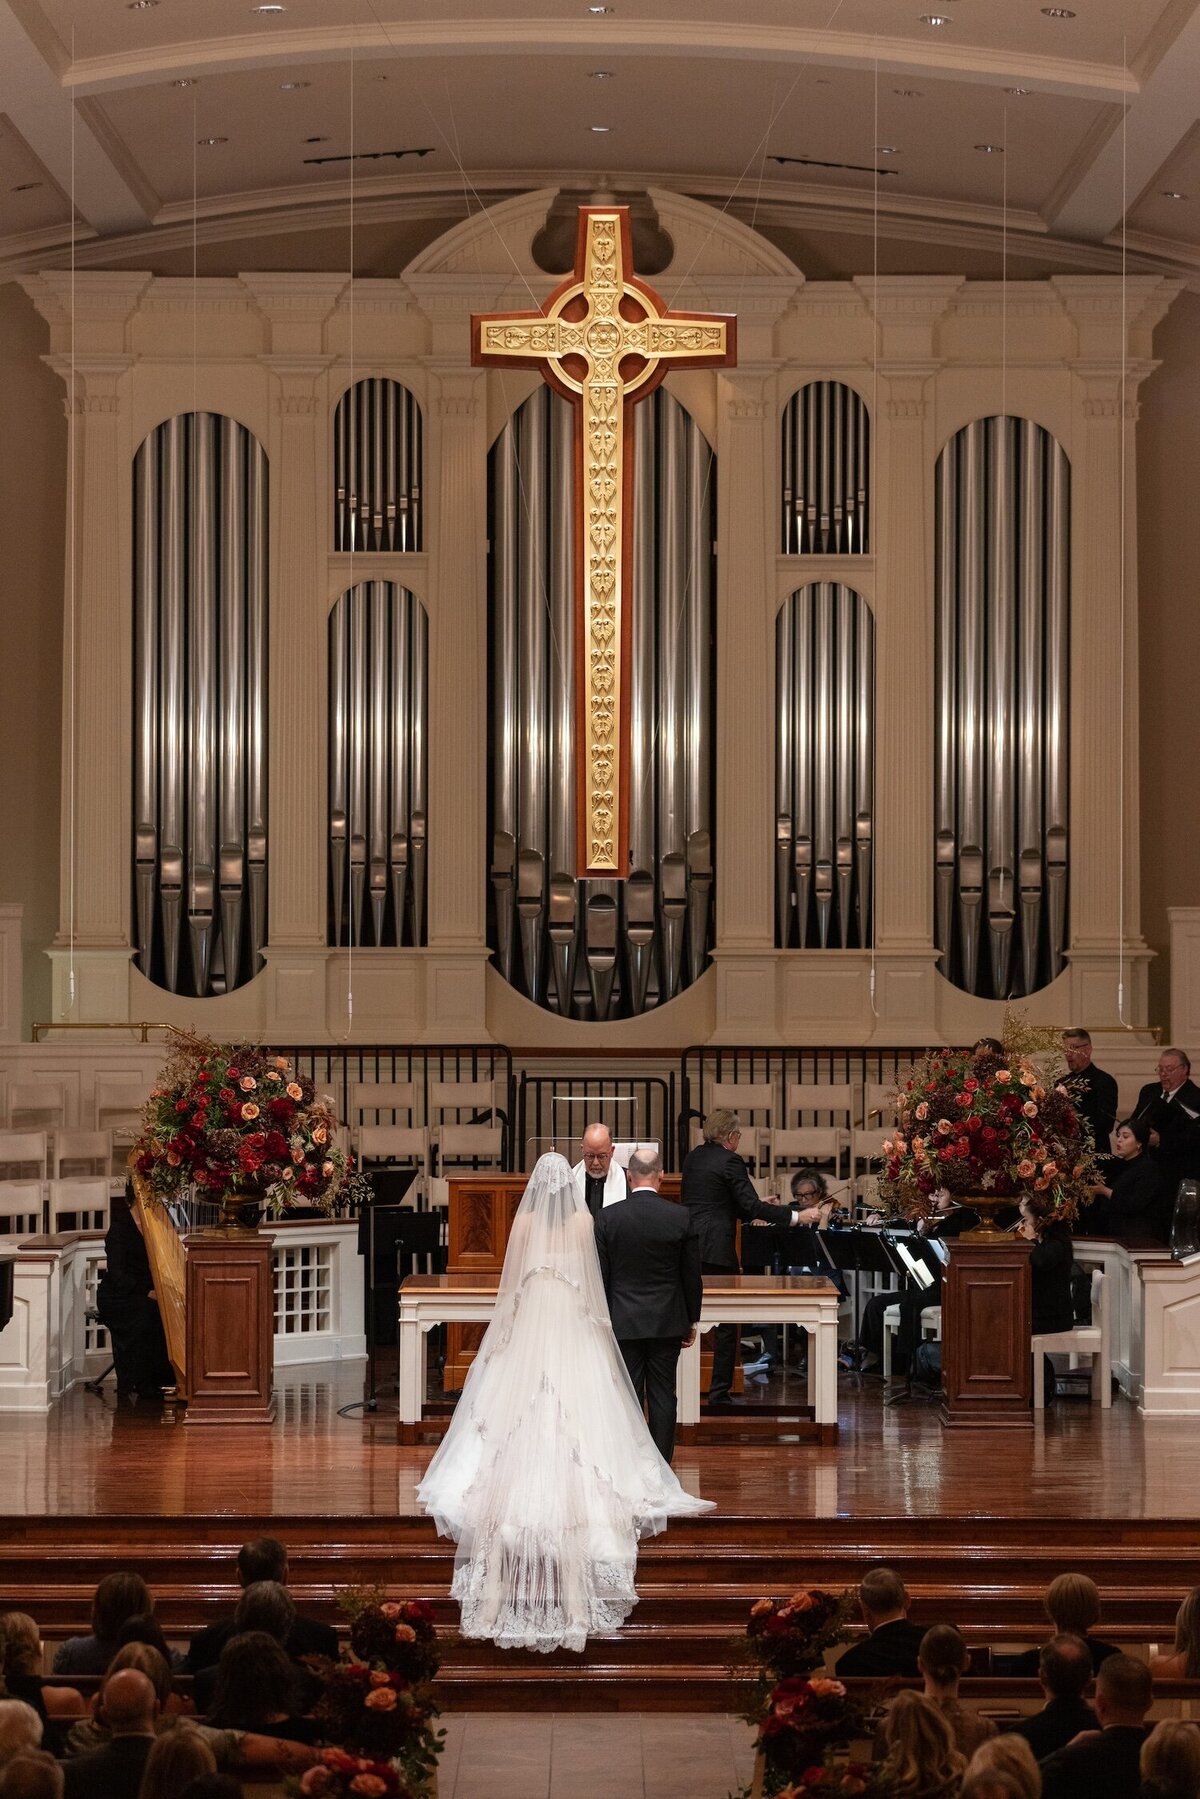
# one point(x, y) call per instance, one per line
point(90, 1459)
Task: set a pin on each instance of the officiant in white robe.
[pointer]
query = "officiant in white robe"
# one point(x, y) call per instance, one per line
point(599, 1177)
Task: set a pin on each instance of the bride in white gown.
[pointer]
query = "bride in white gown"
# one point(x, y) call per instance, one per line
point(547, 1475)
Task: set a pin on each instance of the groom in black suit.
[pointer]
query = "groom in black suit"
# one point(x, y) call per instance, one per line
point(650, 1261)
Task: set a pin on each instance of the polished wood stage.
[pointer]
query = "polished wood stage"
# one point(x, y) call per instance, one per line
point(977, 1522)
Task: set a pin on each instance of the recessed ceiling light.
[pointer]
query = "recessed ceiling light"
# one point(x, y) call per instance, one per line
point(316, 140)
point(1169, 193)
point(379, 78)
point(886, 150)
point(1058, 12)
point(933, 18)
point(601, 127)
point(23, 187)
point(602, 9)
point(991, 149)
point(274, 7)
point(140, 5)
point(1018, 93)
point(290, 87)
point(184, 81)
point(208, 142)
point(909, 93)
point(601, 75)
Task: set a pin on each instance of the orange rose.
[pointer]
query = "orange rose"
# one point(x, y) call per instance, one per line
point(1004, 1076)
point(1050, 1168)
point(247, 1083)
point(320, 1135)
point(294, 1090)
point(405, 1633)
point(368, 1784)
point(381, 1699)
point(825, 1688)
point(1029, 1109)
point(1024, 1170)
point(379, 1678)
point(250, 1111)
point(761, 1607)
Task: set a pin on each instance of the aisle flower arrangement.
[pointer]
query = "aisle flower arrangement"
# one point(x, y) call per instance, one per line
point(809, 1718)
point(337, 1775)
point(378, 1705)
point(802, 1716)
point(994, 1126)
point(790, 1636)
point(241, 1126)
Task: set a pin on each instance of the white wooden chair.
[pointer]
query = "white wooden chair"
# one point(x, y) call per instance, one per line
point(746, 1098)
point(21, 1208)
point(931, 1327)
point(1093, 1340)
point(394, 1141)
point(817, 1140)
point(119, 1105)
point(36, 1107)
point(24, 1155)
point(84, 1200)
point(477, 1142)
point(77, 1154)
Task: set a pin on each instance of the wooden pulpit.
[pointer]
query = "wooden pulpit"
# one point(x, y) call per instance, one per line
point(230, 1321)
point(987, 1368)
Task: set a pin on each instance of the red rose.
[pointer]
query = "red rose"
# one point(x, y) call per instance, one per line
point(971, 1084)
point(974, 1122)
point(276, 1145)
point(281, 1109)
point(226, 1095)
point(233, 1074)
point(182, 1105)
point(145, 1162)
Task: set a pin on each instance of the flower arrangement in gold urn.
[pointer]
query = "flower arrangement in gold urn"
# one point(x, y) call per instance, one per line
point(242, 1128)
point(990, 1129)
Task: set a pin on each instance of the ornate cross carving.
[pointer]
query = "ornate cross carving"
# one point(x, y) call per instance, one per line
point(604, 341)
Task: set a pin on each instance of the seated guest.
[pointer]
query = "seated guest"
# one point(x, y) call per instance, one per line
point(20, 1729)
point(1072, 1605)
point(987, 1049)
point(177, 1757)
point(127, 1308)
point(115, 1771)
point(949, 1220)
point(943, 1659)
point(1065, 1671)
point(1106, 1765)
point(256, 1690)
point(92, 1732)
point(1183, 1663)
point(1170, 1761)
point(893, 1643)
point(31, 1775)
point(1138, 1200)
point(118, 1598)
point(21, 1656)
point(921, 1761)
point(1008, 1764)
point(263, 1558)
point(265, 1606)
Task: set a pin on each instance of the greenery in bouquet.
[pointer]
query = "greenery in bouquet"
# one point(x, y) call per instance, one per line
point(785, 1637)
point(1000, 1125)
point(337, 1775)
point(808, 1717)
point(380, 1704)
point(235, 1121)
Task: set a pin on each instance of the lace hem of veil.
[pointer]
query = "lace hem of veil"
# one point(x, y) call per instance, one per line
point(547, 1624)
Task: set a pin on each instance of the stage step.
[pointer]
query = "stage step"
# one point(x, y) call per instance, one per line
point(696, 1584)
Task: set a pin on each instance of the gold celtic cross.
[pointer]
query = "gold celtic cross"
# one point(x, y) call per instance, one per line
point(604, 341)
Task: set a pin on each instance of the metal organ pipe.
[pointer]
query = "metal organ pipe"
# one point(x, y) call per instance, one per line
point(200, 679)
point(826, 468)
point(378, 652)
point(377, 468)
point(1002, 582)
point(824, 639)
point(614, 948)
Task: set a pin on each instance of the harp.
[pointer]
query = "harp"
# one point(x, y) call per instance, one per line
point(164, 1247)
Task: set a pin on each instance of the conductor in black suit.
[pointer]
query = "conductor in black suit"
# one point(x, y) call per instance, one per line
point(650, 1264)
point(717, 1191)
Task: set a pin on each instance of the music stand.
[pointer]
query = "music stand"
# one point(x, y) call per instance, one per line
point(394, 1181)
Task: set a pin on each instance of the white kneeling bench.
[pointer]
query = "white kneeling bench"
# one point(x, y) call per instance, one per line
point(1090, 1340)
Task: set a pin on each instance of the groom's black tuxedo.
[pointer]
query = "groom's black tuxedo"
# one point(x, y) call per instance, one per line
point(650, 1262)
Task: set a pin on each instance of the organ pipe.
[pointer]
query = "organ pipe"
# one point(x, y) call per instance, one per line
point(200, 695)
point(1001, 630)
point(826, 453)
point(378, 653)
point(601, 949)
point(377, 468)
point(824, 778)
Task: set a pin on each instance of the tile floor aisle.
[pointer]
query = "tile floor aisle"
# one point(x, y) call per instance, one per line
point(600, 1755)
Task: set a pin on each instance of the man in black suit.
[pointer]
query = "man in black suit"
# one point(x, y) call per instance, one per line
point(130, 1709)
point(650, 1263)
point(891, 1647)
point(1104, 1765)
point(1091, 1090)
point(1064, 1670)
point(1171, 1107)
point(261, 1559)
point(717, 1191)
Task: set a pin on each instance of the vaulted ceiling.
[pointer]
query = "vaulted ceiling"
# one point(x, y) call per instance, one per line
point(1069, 131)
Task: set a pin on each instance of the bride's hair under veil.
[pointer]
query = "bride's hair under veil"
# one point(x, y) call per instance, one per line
point(547, 1474)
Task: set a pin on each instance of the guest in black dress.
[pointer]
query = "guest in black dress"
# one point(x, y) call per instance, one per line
point(127, 1308)
point(1138, 1203)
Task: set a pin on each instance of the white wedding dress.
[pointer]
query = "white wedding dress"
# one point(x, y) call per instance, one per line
point(547, 1475)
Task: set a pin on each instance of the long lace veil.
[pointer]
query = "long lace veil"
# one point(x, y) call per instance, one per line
point(552, 1231)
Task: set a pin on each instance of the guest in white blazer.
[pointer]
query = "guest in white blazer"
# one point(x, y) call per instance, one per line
point(598, 1176)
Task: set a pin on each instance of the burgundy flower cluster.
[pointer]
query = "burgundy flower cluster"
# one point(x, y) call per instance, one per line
point(807, 1718)
point(338, 1775)
point(380, 1704)
point(238, 1121)
point(790, 1636)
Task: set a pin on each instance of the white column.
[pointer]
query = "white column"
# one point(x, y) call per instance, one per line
point(11, 974)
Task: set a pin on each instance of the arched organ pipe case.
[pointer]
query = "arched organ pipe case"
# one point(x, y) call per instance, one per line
point(824, 768)
point(378, 674)
point(200, 704)
point(377, 468)
point(601, 949)
point(826, 472)
point(1002, 494)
